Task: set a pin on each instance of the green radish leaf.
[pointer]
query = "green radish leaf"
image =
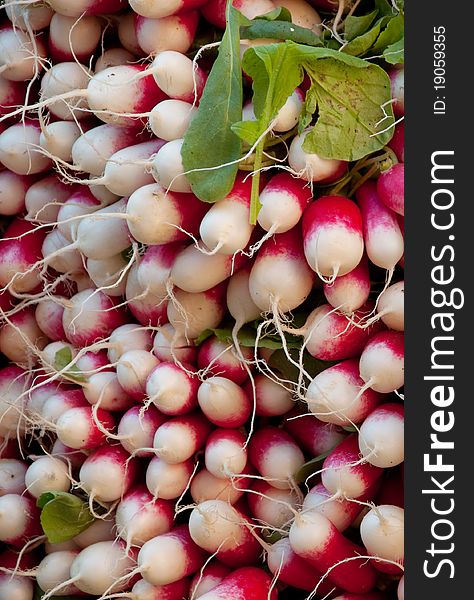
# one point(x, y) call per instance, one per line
point(310, 467)
point(349, 428)
point(63, 516)
point(395, 53)
point(209, 141)
point(393, 32)
point(62, 359)
point(356, 26)
point(280, 30)
point(313, 366)
point(362, 44)
point(247, 337)
point(277, 14)
point(384, 8)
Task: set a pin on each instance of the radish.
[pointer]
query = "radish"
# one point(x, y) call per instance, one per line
point(47, 474)
point(239, 300)
point(170, 345)
point(291, 569)
point(12, 95)
point(344, 473)
point(155, 266)
point(143, 590)
point(223, 402)
point(54, 569)
point(191, 314)
point(167, 167)
point(225, 228)
point(102, 567)
point(19, 519)
point(220, 359)
point(107, 473)
point(48, 356)
point(127, 34)
point(248, 582)
point(170, 119)
point(317, 540)
point(82, 428)
point(177, 77)
point(302, 14)
point(280, 279)
point(175, 32)
point(214, 10)
point(165, 9)
point(19, 149)
point(381, 436)
point(225, 454)
point(139, 517)
point(72, 38)
point(276, 456)
point(333, 396)
point(391, 490)
point(21, 339)
point(172, 389)
point(397, 87)
point(159, 217)
point(271, 506)
point(168, 481)
point(67, 80)
point(73, 458)
point(80, 202)
point(401, 589)
point(91, 315)
point(312, 167)
point(13, 189)
point(45, 197)
point(101, 530)
point(136, 429)
point(196, 270)
point(148, 308)
point(313, 436)
point(21, 56)
point(39, 394)
point(283, 201)
point(108, 274)
point(32, 17)
point(220, 528)
point(133, 368)
point(205, 486)
point(14, 383)
point(128, 337)
point(58, 138)
point(390, 188)
point(332, 233)
point(113, 57)
point(391, 306)
point(382, 362)
point(397, 143)
point(339, 511)
point(103, 389)
point(61, 401)
point(59, 255)
point(382, 531)
point(349, 292)
point(208, 578)
point(16, 587)
point(12, 476)
point(85, 7)
point(382, 235)
point(178, 439)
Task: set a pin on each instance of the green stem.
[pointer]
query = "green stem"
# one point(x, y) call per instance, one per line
point(255, 205)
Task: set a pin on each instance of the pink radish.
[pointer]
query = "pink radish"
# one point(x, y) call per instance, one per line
point(78, 427)
point(103, 389)
point(21, 339)
point(248, 582)
point(283, 201)
point(333, 396)
point(170, 119)
point(54, 569)
point(12, 94)
point(21, 56)
point(80, 202)
point(317, 540)
point(214, 10)
point(60, 401)
point(270, 505)
point(208, 578)
point(382, 532)
point(133, 368)
point(159, 217)
point(47, 474)
point(32, 17)
point(137, 428)
point(19, 149)
point(177, 590)
point(391, 306)
point(60, 255)
point(401, 589)
point(280, 279)
point(175, 32)
point(311, 434)
point(139, 517)
point(172, 389)
point(127, 34)
point(169, 345)
point(381, 436)
point(220, 359)
point(312, 167)
point(12, 476)
point(128, 337)
point(390, 188)
point(391, 489)
point(86, 7)
point(205, 486)
point(225, 454)
point(168, 481)
point(71, 38)
point(177, 77)
point(108, 274)
point(349, 292)
point(397, 86)
point(169, 557)
point(107, 474)
point(220, 528)
point(382, 362)
point(148, 308)
point(382, 235)
point(332, 233)
point(49, 316)
point(223, 402)
point(397, 143)
point(45, 197)
point(178, 439)
point(339, 511)
point(155, 266)
point(19, 519)
point(344, 473)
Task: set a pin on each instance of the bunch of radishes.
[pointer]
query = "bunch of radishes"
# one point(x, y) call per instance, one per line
point(223, 400)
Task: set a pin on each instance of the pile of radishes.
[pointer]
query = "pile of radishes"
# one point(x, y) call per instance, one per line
point(224, 400)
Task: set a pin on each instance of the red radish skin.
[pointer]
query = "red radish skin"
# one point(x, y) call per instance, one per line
point(293, 570)
point(180, 438)
point(381, 363)
point(390, 188)
point(312, 435)
point(49, 316)
point(344, 473)
point(333, 237)
point(12, 94)
point(223, 402)
point(220, 528)
point(73, 458)
point(225, 455)
point(317, 540)
point(340, 512)
point(397, 143)
point(175, 32)
point(219, 359)
point(60, 401)
point(369, 596)
point(137, 427)
point(382, 235)
point(208, 578)
point(13, 190)
point(391, 489)
point(19, 519)
point(103, 389)
point(78, 429)
point(173, 388)
point(349, 292)
point(149, 309)
point(397, 87)
point(172, 591)
point(276, 456)
point(248, 583)
point(155, 266)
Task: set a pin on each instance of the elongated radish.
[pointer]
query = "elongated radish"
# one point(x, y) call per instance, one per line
point(382, 362)
point(60, 255)
point(101, 530)
point(223, 402)
point(78, 427)
point(167, 167)
point(382, 531)
point(175, 32)
point(382, 235)
point(45, 197)
point(220, 359)
point(154, 268)
point(107, 474)
point(280, 279)
point(220, 528)
point(167, 481)
point(178, 439)
point(170, 345)
point(21, 56)
point(172, 389)
point(54, 569)
point(12, 476)
point(19, 149)
point(333, 396)
point(391, 306)
point(127, 34)
point(177, 77)
point(165, 9)
point(205, 486)
point(381, 436)
point(58, 139)
point(344, 473)
point(390, 188)
point(208, 578)
point(21, 339)
point(318, 541)
point(339, 511)
point(170, 119)
point(133, 368)
point(103, 389)
point(71, 38)
point(160, 217)
point(61, 401)
point(239, 300)
point(247, 582)
point(19, 519)
point(270, 505)
point(139, 517)
point(47, 474)
point(225, 454)
point(349, 292)
point(311, 166)
point(271, 399)
point(136, 429)
point(148, 308)
point(127, 337)
point(73, 458)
